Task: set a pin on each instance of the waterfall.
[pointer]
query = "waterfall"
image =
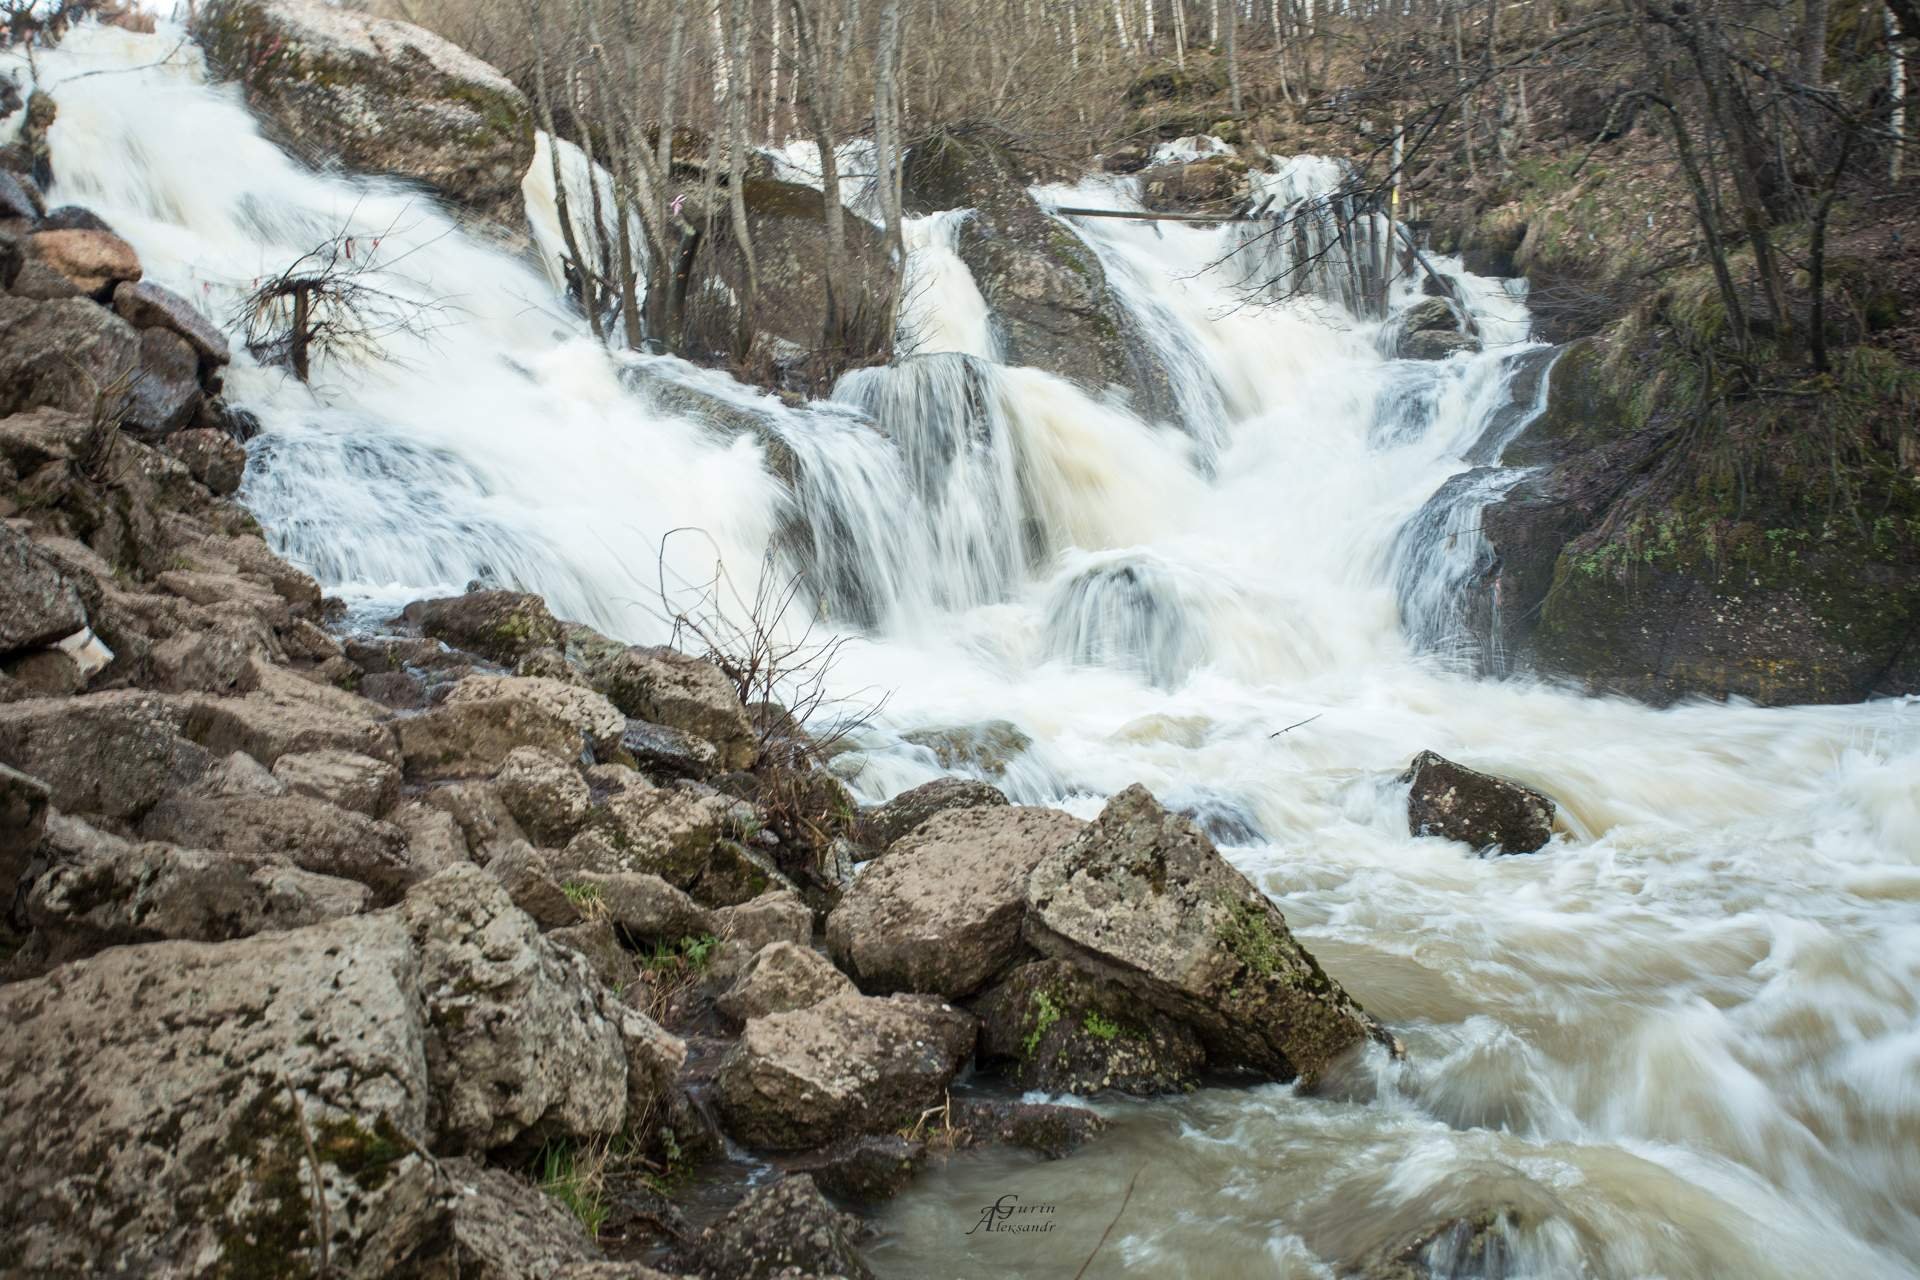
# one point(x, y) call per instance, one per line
point(1679, 1042)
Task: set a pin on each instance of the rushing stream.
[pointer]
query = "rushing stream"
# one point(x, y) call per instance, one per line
point(1682, 1041)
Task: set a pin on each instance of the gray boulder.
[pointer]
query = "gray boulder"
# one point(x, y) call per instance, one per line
point(202, 1108)
point(667, 687)
point(645, 907)
point(377, 95)
point(504, 626)
point(148, 306)
point(105, 892)
point(1143, 901)
point(344, 778)
point(61, 354)
point(38, 605)
point(786, 1229)
point(23, 816)
point(108, 754)
point(215, 458)
point(941, 912)
point(311, 834)
point(165, 393)
point(880, 826)
point(780, 978)
point(850, 1064)
point(1478, 809)
point(548, 798)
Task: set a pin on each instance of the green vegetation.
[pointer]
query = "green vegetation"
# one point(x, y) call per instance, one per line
point(1046, 1014)
point(577, 1179)
point(689, 953)
point(1100, 1028)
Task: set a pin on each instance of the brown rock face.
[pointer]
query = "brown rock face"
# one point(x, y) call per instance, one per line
point(1143, 901)
point(1489, 813)
point(941, 912)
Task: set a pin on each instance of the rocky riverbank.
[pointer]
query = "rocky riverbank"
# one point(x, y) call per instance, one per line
point(458, 946)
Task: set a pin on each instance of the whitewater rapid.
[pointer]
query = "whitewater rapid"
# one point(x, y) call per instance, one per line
point(1682, 1041)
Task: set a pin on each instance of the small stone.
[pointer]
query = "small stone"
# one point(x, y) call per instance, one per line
point(1478, 809)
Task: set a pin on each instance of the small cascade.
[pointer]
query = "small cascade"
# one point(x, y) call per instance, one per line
point(1316, 237)
point(1127, 613)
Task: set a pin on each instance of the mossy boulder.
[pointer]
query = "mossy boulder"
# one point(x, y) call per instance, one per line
point(1053, 1027)
point(1143, 901)
point(336, 86)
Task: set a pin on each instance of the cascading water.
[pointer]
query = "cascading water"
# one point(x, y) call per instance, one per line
point(1679, 1042)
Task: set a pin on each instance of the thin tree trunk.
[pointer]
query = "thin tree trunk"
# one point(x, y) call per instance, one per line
point(736, 90)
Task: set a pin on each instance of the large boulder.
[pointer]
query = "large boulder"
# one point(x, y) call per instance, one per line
point(111, 754)
point(148, 306)
point(165, 393)
point(1478, 809)
point(654, 830)
point(779, 979)
point(203, 1108)
point(309, 833)
point(1057, 1029)
point(850, 1064)
point(548, 798)
point(486, 719)
point(94, 260)
point(1142, 900)
point(907, 812)
point(104, 892)
point(38, 605)
point(941, 912)
point(671, 688)
point(65, 354)
point(374, 94)
point(344, 778)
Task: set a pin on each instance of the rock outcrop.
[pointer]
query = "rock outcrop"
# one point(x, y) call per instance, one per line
point(907, 812)
point(375, 94)
point(1058, 1029)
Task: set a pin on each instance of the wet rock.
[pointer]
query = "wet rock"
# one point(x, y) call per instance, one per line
point(1434, 313)
point(780, 978)
point(504, 626)
point(35, 278)
point(879, 827)
point(1477, 1244)
point(785, 1229)
point(987, 747)
point(1141, 899)
point(549, 799)
point(71, 217)
point(1047, 290)
point(1124, 159)
point(376, 95)
point(866, 1170)
point(103, 892)
point(658, 750)
point(941, 912)
point(1435, 344)
point(215, 458)
point(1044, 1128)
point(342, 778)
point(1489, 813)
point(60, 354)
point(1056, 1029)
point(1210, 185)
point(95, 261)
point(852, 1064)
point(148, 306)
point(667, 687)
point(108, 754)
point(38, 605)
point(309, 833)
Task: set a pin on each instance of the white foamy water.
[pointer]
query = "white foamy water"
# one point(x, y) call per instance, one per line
point(1679, 1042)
